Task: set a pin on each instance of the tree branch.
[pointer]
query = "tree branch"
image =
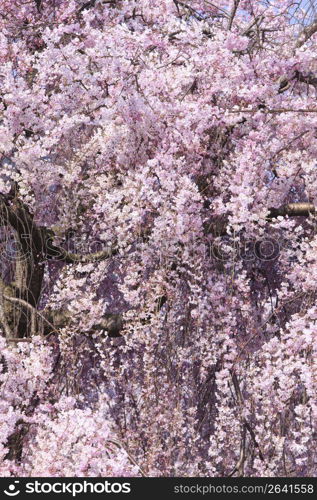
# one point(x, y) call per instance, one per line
point(218, 225)
point(310, 79)
point(292, 210)
point(38, 5)
point(256, 21)
point(240, 401)
point(58, 253)
point(306, 34)
point(275, 111)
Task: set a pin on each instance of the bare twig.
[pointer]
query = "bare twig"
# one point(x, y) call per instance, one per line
point(132, 460)
point(224, 13)
point(233, 13)
point(193, 11)
point(288, 144)
point(257, 21)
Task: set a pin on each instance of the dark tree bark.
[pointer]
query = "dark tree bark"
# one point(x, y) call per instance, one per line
point(33, 247)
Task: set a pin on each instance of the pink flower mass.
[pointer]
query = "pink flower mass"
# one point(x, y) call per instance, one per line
point(158, 238)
